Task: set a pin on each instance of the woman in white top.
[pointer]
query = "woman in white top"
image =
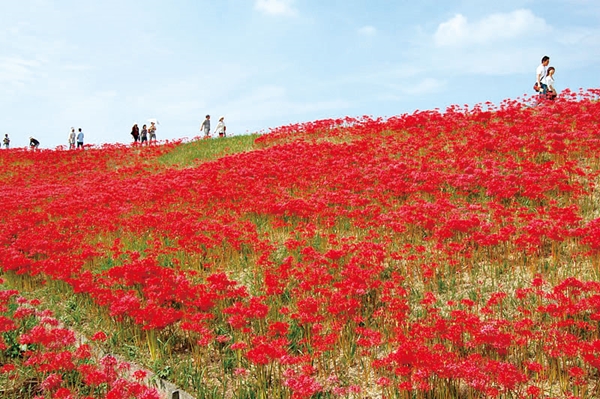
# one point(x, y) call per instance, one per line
point(221, 128)
point(548, 80)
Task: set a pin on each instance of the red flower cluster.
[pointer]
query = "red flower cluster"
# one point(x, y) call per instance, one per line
point(36, 351)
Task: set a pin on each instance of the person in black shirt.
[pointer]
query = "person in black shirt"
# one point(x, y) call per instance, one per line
point(33, 143)
point(135, 132)
point(144, 136)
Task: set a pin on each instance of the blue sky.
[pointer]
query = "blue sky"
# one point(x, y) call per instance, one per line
point(104, 65)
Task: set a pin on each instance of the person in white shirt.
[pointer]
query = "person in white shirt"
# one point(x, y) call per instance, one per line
point(80, 139)
point(72, 139)
point(221, 128)
point(540, 73)
point(548, 80)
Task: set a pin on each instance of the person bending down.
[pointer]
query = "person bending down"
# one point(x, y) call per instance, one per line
point(33, 143)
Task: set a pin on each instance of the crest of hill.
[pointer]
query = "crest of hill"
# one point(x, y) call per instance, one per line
point(21, 165)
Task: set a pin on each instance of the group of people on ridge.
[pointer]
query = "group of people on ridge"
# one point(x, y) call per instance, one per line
point(147, 135)
point(220, 130)
point(33, 143)
point(544, 85)
point(75, 138)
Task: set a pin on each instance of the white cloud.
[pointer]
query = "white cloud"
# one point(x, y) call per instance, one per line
point(276, 7)
point(17, 70)
point(578, 37)
point(367, 31)
point(459, 31)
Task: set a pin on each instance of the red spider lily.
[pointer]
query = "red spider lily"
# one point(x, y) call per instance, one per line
point(51, 382)
point(140, 375)
point(54, 338)
point(61, 364)
point(368, 337)
point(99, 336)
point(7, 368)
point(7, 324)
point(238, 345)
point(63, 393)
point(22, 313)
point(51, 361)
point(263, 350)
point(302, 386)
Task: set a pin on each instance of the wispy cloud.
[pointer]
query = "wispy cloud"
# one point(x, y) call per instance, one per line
point(18, 71)
point(276, 7)
point(367, 30)
point(459, 31)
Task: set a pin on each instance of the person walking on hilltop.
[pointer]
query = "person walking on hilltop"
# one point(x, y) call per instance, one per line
point(549, 82)
point(72, 139)
point(221, 129)
point(135, 132)
point(6, 141)
point(33, 143)
point(152, 133)
point(144, 135)
point(541, 72)
point(205, 127)
point(80, 139)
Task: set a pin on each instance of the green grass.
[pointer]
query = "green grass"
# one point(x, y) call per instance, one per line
point(190, 154)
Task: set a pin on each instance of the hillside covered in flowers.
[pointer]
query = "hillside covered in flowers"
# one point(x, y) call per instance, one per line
point(450, 254)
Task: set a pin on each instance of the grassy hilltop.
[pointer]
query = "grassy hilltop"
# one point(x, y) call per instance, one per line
point(427, 255)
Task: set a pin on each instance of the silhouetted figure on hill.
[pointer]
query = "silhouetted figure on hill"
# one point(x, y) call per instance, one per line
point(6, 141)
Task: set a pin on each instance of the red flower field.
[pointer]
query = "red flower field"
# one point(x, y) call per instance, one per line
point(450, 254)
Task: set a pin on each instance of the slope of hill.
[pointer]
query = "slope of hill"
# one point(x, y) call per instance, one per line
point(430, 255)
